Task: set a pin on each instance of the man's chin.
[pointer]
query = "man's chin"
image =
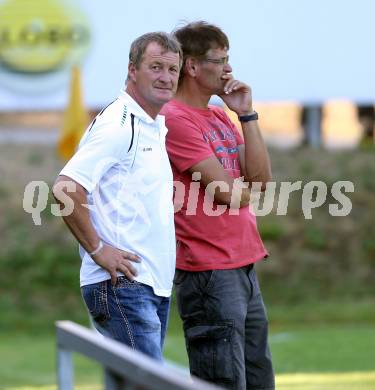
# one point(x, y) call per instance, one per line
point(219, 90)
point(165, 96)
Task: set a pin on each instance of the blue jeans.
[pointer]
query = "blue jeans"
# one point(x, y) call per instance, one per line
point(129, 312)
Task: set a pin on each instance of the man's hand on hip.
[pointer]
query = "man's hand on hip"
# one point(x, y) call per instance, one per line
point(115, 260)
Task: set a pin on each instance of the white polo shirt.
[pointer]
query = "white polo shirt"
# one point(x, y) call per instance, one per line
point(123, 164)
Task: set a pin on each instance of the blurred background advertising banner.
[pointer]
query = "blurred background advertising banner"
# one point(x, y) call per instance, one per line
point(40, 41)
point(288, 50)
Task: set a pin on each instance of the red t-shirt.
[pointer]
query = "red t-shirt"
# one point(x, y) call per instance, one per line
point(206, 242)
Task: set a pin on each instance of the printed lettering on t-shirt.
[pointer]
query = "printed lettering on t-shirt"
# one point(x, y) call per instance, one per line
point(223, 142)
point(212, 135)
point(229, 163)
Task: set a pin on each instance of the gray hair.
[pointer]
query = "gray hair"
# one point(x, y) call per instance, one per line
point(139, 46)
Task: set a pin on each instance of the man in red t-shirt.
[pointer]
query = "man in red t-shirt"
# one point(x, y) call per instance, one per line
point(218, 295)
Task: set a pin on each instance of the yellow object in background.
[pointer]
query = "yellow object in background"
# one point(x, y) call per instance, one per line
point(340, 124)
point(75, 119)
point(41, 36)
point(280, 122)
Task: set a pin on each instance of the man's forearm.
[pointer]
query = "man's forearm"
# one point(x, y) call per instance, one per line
point(257, 162)
point(78, 221)
point(235, 197)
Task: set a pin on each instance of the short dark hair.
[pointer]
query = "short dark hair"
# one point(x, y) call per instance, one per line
point(139, 46)
point(197, 38)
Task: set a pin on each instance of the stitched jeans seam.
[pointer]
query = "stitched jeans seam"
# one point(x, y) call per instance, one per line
point(127, 324)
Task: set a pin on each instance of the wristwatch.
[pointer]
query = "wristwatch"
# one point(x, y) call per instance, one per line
point(249, 117)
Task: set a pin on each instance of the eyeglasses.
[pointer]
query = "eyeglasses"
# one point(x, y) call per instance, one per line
point(219, 61)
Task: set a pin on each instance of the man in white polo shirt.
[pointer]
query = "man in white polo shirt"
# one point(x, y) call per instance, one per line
point(121, 186)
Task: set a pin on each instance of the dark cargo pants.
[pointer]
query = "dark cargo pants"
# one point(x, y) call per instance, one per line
point(225, 327)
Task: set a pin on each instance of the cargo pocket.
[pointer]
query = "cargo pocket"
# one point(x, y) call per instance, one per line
point(210, 351)
point(96, 299)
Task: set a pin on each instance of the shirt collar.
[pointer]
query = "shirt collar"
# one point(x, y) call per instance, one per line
point(138, 111)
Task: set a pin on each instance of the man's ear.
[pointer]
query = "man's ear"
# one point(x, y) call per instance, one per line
point(131, 72)
point(191, 66)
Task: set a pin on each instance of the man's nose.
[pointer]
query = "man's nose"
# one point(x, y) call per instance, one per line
point(227, 68)
point(165, 76)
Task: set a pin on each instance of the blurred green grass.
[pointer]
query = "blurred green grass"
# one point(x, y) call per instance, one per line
point(29, 359)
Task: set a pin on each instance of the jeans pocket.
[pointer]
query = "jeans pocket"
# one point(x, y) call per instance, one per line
point(210, 351)
point(204, 280)
point(96, 299)
point(124, 282)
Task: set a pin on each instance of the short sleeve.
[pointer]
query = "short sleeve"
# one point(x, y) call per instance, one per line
point(185, 143)
point(103, 146)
